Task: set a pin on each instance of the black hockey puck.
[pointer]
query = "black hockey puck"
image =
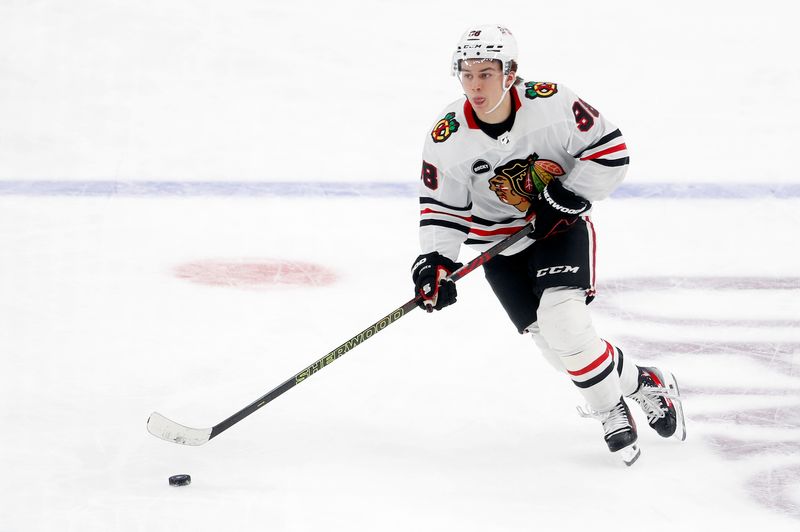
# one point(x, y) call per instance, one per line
point(180, 480)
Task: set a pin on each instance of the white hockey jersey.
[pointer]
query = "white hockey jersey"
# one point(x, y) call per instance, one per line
point(476, 190)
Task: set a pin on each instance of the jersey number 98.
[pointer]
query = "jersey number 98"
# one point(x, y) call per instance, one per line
point(583, 115)
point(430, 176)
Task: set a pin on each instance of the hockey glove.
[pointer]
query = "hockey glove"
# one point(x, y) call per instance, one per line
point(429, 274)
point(556, 209)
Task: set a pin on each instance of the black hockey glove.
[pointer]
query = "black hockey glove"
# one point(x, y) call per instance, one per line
point(556, 209)
point(429, 274)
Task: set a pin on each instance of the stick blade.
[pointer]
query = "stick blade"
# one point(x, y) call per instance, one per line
point(168, 430)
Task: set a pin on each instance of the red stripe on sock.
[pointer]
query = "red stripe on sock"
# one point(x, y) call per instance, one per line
point(609, 352)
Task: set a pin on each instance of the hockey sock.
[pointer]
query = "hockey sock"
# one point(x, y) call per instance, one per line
point(566, 325)
point(552, 358)
point(628, 372)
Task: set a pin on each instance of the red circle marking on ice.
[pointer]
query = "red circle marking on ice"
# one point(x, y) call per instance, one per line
point(255, 273)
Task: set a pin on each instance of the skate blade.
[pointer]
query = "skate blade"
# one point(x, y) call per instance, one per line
point(629, 454)
point(680, 429)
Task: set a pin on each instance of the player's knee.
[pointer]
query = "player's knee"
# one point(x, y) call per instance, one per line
point(565, 322)
point(552, 357)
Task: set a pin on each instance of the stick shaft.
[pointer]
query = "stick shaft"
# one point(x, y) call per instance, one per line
point(353, 342)
point(307, 372)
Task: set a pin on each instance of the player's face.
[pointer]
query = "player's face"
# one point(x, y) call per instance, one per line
point(483, 83)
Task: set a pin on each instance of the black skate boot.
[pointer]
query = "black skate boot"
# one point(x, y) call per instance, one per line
point(660, 399)
point(620, 431)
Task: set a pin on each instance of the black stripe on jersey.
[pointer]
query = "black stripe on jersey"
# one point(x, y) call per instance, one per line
point(472, 241)
point(619, 361)
point(484, 221)
point(423, 201)
point(594, 380)
point(614, 134)
point(444, 223)
point(612, 162)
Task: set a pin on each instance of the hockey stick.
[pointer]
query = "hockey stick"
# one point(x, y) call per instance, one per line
point(168, 430)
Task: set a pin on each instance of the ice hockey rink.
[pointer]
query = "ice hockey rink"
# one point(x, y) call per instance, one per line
point(199, 199)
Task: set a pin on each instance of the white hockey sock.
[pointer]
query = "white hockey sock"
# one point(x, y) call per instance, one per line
point(544, 348)
point(628, 372)
point(566, 325)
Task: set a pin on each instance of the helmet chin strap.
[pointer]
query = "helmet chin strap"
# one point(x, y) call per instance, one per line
point(503, 97)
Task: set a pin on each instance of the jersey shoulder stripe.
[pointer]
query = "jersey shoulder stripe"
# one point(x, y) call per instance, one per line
point(601, 142)
point(609, 150)
point(613, 162)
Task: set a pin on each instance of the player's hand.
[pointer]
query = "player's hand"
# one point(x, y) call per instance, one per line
point(556, 209)
point(429, 274)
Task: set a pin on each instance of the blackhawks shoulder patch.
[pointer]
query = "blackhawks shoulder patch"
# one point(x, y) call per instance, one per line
point(445, 127)
point(540, 89)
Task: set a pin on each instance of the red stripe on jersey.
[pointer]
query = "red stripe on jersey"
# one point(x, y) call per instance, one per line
point(502, 231)
point(596, 362)
point(515, 98)
point(431, 211)
point(618, 147)
point(593, 244)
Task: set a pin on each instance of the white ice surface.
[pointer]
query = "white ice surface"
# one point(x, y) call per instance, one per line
point(448, 421)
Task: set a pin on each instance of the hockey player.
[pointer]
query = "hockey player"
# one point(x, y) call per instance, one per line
point(514, 152)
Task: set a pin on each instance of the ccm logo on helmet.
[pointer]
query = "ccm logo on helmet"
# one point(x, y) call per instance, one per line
point(557, 269)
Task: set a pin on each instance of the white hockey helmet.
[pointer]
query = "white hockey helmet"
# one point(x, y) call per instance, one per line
point(487, 41)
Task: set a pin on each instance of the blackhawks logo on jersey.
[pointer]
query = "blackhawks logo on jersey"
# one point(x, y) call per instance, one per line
point(445, 127)
point(540, 89)
point(518, 181)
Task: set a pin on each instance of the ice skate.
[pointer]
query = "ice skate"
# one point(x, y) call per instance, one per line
point(659, 397)
point(620, 431)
